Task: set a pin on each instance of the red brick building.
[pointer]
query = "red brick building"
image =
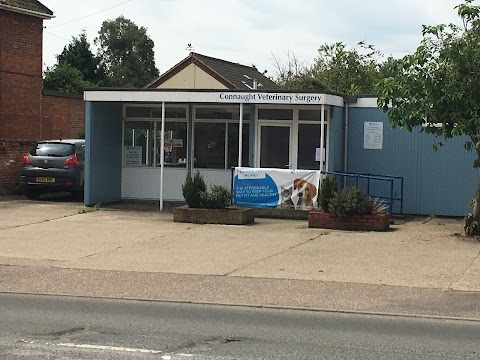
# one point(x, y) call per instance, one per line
point(26, 113)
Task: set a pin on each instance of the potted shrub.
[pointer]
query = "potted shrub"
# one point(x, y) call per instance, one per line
point(328, 189)
point(349, 209)
point(209, 206)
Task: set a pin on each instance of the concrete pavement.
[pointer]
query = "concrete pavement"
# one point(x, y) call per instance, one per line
point(424, 266)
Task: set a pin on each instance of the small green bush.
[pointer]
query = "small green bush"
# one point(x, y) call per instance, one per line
point(193, 188)
point(217, 198)
point(348, 202)
point(471, 225)
point(328, 189)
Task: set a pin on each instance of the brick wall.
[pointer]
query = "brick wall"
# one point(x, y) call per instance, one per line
point(11, 153)
point(63, 115)
point(20, 75)
point(25, 115)
point(371, 222)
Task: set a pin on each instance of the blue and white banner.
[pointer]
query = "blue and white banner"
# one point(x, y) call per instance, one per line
point(275, 188)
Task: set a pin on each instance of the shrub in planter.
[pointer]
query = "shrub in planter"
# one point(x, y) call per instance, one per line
point(193, 188)
point(328, 189)
point(376, 206)
point(217, 198)
point(348, 202)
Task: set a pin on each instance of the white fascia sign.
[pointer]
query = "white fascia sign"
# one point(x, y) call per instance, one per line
point(271, 98)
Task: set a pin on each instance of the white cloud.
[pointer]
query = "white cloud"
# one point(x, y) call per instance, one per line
point(252, 31)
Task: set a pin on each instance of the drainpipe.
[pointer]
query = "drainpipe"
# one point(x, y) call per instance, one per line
point(322, 135)
point(347, 101)
point(345, 141)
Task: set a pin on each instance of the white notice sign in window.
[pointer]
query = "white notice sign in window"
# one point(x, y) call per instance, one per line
point(132, 155)
point(373, 135)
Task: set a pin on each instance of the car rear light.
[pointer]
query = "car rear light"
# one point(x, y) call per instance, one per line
point(72, 161)
point(25, 159)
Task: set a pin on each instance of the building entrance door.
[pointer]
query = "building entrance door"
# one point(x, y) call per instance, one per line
point(275, 141)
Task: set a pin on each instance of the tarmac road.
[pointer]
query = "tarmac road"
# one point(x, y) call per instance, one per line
point(41, 327)
point(55, 246)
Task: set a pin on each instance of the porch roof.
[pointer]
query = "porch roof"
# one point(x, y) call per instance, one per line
point(215, 96)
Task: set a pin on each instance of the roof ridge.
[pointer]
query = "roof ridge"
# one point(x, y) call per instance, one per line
point(33, 7)
point(225, 61)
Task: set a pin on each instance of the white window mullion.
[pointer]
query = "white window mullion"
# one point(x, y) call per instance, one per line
point(226, 145)
point(155, 143)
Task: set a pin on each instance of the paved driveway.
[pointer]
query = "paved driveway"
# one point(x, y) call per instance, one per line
point(60, 233)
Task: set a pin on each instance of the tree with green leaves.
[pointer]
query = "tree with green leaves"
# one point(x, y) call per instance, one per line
point(337, 69)
point(348, 71)
point(294, 74)
point(127, 53)
point(77, 68)
point(78, 55)
point(438, 89)
point(66, 78)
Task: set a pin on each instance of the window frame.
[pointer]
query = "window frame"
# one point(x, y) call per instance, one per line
point(216, 121)
point(156, 127)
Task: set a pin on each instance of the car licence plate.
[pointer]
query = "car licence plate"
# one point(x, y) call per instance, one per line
point(45, 179)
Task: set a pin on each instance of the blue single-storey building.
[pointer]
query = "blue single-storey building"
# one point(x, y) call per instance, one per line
point(128, 159)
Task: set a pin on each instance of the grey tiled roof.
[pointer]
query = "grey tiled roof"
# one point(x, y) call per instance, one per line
point(234, 76)
point(234, 73)
point(30, 5)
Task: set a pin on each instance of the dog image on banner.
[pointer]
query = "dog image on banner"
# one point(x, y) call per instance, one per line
point(306, 193)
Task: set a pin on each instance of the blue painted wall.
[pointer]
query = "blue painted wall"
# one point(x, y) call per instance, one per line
point(103, 137)
point(336, 136)
point(435, 182)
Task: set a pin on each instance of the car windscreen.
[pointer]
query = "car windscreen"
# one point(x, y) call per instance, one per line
point(53, 149)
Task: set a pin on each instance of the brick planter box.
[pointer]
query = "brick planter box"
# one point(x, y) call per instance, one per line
point(229, 216)
point(374, 222)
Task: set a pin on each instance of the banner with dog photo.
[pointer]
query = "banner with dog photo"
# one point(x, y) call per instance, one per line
point(275, 188)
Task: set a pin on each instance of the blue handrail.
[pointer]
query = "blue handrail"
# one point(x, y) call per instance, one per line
point(369, 177)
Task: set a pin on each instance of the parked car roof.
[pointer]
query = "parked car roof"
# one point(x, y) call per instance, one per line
point(68, 141)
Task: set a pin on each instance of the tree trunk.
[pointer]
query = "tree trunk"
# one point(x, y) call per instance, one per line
point(476, 203)
point(472, 221)
point(476, 197)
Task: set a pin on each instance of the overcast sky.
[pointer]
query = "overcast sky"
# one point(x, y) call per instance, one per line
point(251, 31)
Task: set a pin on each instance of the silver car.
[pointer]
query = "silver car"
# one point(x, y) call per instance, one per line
point(54, 165)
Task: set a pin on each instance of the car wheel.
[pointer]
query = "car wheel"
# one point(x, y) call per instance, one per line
point(32, 194)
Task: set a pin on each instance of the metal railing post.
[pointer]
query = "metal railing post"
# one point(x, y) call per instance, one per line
point(232, 200)
point(391, 196)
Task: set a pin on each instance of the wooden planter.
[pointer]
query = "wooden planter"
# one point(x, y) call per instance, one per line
point(373, 222)
point(229, 216)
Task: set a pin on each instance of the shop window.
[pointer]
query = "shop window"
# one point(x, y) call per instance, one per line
point(175, 149)
point(138, 139)
point(221, 113)
point(138, 112)
point(275, 114)
point(170, 112)
point(309, 115)
point(209, 144)
point(233, 145)
point(308, 142)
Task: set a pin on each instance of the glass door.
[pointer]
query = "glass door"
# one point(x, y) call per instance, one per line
point(308, 143)
point(275, 146)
